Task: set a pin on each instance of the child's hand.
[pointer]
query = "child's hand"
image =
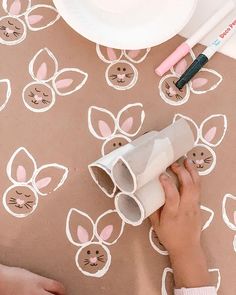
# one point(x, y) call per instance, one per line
point(17, 281)
point(178, 226)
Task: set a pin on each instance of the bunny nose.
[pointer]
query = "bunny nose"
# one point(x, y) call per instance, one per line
point(9, 31)
point(121, 76)
point(93, 259)
point(38, 98)
point(20, 202)
point(172, 91)
point(199, 161)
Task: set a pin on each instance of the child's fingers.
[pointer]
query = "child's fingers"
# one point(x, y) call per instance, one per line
point(172, 197)
point(192, 171)
point(184, 176)
point(53, 287)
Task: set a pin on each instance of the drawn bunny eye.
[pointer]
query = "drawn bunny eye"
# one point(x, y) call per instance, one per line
point(41, 16)
point(101, 123)
point(109, 227)
point(21, 166)
point(49, 178)
point(130, 119)
point(213, 129)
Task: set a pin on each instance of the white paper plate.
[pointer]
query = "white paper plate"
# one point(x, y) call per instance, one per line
point(127, 24)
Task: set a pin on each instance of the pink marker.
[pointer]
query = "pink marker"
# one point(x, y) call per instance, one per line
point(186, 46)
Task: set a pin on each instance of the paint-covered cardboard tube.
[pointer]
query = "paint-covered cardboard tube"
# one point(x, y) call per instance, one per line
point(134, 208)
point(100, 170)
point(149, 158)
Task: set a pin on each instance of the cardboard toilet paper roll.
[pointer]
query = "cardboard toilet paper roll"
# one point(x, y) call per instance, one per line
point(134, 208)
point(149, 159)
point(100, 170)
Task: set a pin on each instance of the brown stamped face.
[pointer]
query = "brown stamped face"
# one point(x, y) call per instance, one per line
point(12, 30)
point(203, 157)
point(38, 97)
point(121, 75)
point(93, 259)
point(20, 201)
point(114, 143)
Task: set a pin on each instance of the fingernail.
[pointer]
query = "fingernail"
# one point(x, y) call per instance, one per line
point(163, 176)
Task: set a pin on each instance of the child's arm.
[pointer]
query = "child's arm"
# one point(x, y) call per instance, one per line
point(178, 226)
point(14, 281)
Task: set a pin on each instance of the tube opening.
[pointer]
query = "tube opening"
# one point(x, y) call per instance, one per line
point(103, 179)
point(129, 209)
point(123, 177)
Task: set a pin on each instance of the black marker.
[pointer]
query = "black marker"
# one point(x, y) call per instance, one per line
point(203, 58)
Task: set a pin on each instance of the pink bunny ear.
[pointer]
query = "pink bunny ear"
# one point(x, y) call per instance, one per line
point(82, 234)
point(210, 135)
point(106, 232)
point(21, 166)
point(64, 83)
point(15, 8)
point(111, 54)
point(199, 82)
point(79, 227)
point(101, 123)
point(43, 182)
point(21, 174)
point(127, 124)
point(181, 67)
point(49, 178)
point(34, 19)
point(41, 16)
point(104, 128)
point(42, 72)
point(69, 80)
point(133, 53)
point(43, 66)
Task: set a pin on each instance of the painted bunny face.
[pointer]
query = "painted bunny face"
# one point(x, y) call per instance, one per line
point(40, 96)
point(115, 131)
point(229, 214)
point(93, 257)
point(21, 199)
point(210, 134)
point(121, 74)
point(207, 217)
point(167, 281)
point(21, 16)
point(206, 80)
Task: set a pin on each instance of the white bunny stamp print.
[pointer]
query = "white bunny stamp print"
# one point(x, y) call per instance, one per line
point(5, 93)
point(229, 214)
point(93, 257)
point(167, 279)
point(22, 16)
point(115, 131)
point(121, 74)
point(206, 80)
point(29, 182)
point(159, 248)
point(208, 136)
point(39, 96)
